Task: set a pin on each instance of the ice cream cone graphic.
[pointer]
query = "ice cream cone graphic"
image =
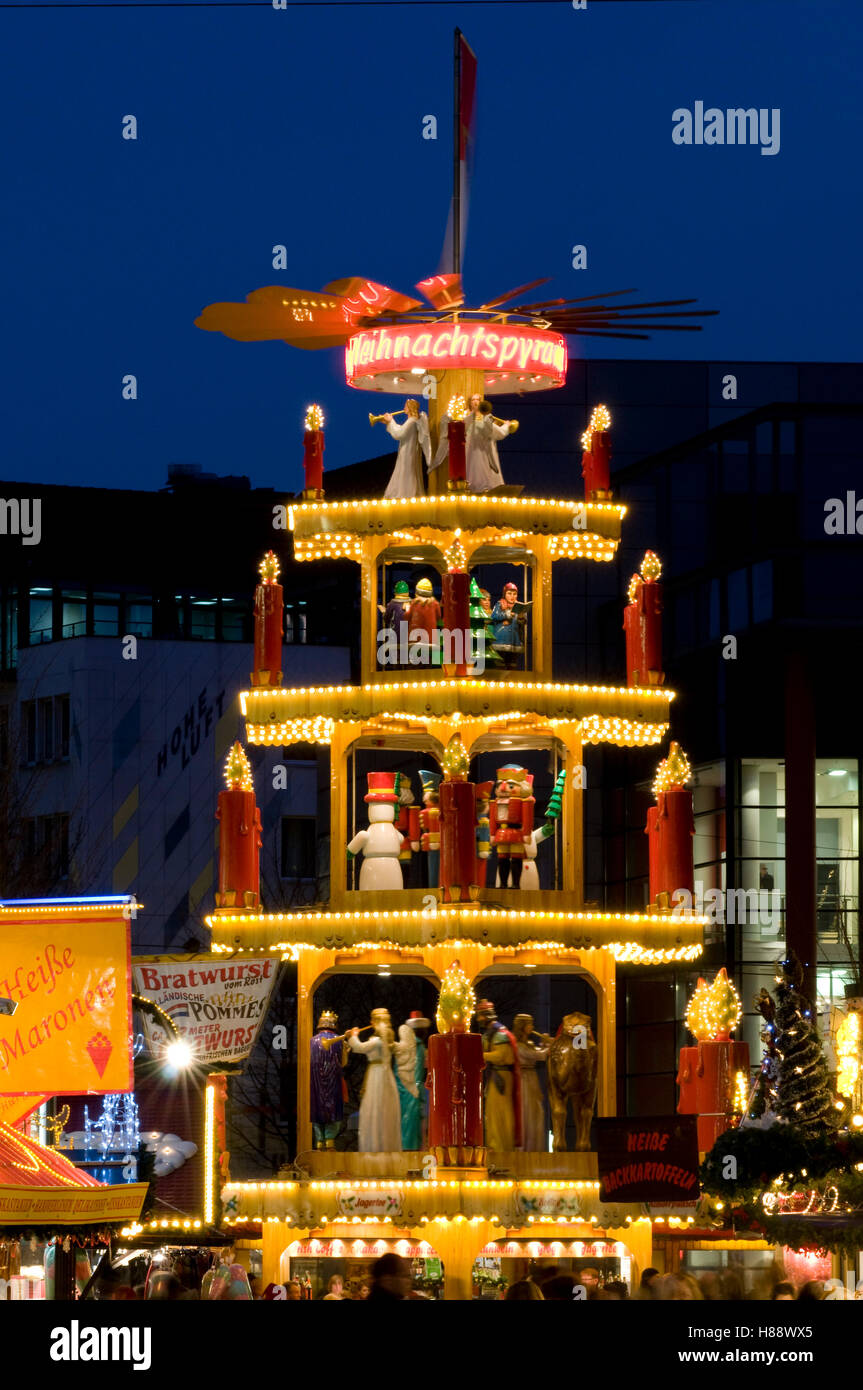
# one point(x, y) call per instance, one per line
point(100, 1049)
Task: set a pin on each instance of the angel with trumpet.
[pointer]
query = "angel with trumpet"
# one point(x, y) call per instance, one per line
point(413, 439)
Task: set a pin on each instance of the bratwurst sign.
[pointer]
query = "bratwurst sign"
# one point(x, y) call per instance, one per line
point(648, 1160)
point(217, 1005)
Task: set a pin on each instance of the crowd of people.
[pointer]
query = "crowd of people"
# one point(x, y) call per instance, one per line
point(713, 1286)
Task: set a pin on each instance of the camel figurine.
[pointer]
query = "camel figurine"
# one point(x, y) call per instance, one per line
point(572, 1075)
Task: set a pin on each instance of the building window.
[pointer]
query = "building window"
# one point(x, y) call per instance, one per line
point(46, 729)
point(202, 622)
point(232, 614)
point(46, 846)
point(74, 613)
point(757, 907)
point(297, 857)
point(837, 859)
point(41, 616)
point(139, 619)
point(106, 615)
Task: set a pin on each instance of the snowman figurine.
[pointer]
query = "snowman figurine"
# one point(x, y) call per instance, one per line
point(381, 843)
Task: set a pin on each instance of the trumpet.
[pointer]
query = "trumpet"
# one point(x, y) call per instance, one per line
point(375, 419)
point(327, 1043)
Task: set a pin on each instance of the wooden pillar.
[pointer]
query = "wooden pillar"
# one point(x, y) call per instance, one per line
point(370, 618)
point(339, 791)
point(541, 615)
point(458, 1244)
point(800, 921)
point(638, 1239)
point(308, 970)
point(606, 1089)
point(573, 814)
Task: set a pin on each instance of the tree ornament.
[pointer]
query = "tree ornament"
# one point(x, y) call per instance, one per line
point(456, 1003)
point(803, 1097)
point(238, 771)
point(714, 1010)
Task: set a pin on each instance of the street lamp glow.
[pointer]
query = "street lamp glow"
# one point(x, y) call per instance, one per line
point(178, 1054)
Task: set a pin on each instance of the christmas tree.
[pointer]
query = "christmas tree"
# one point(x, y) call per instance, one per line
point(801, 1089)
point(480, 621)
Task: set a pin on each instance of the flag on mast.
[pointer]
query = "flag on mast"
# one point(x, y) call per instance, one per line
point(463, 151)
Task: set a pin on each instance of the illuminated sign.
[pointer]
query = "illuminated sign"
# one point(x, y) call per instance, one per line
point(514, 357)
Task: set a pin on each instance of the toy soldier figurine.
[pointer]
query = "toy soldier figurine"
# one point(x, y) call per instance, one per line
point(511, 821)
point(408, 822)
point(502, 1081)
point(327, 1066)
point(430, 823)
point(483, 791)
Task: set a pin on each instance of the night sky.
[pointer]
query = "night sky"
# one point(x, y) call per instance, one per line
point(303, 127)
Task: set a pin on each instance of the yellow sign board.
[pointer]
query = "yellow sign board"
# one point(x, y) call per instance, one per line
point(71, 1031)
point(76, 1206)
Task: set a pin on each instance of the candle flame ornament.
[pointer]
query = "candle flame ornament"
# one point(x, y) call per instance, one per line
point(848, 1039)
point(269, 568)
point(238, 771)
point(651, 567)
point(457, 408)
point(600, 418)
point(455, 761)
point(314, 418)
point(673, 772)
point(456, 555)
point(633, 587)
point(457, 1001)
point(714, 1010)
point(596, 456)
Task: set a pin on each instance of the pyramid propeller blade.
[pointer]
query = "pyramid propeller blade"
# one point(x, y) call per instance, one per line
point(443, 291)
point(511, 294)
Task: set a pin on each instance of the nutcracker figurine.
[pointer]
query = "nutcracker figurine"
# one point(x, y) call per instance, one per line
point(596, 456)
point(313, 454)
point(239, 835)
point(458, 826)
point(482, 792)
point(511, 822)
point(642, 624)
point(455, 1067)
point(670, 827)
point(269, 624)
point(430, 823)
point(408, 822)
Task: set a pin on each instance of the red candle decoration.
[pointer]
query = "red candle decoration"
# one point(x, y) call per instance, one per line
point(596, 456)
point(642, 624)
point(313, 454)
point(454, 1079)
point(456, 410)
point(239, 836)
point(670, 828)
point(708, 1072)
point(457, 826)
point(455, 590)
point(269, 623)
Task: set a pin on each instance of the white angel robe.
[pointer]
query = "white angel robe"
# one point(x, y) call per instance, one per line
point(380, 1113)
point(483, 464)
point(413, 436)
point(442, 452)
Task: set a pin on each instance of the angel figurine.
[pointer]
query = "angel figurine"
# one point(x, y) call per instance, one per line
point(413, 438)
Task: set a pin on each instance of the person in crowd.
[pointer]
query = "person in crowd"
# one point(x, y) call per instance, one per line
point(677, 1288)
point(645, 1287)
point(782, 1293)
point(524, 1291)
point(391, 1279)
point(294, 1291)
point(811, 1292)
point(335, 1290)
point(559, 1289)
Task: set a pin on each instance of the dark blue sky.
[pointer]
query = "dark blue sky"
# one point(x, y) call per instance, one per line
point(303, 127)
